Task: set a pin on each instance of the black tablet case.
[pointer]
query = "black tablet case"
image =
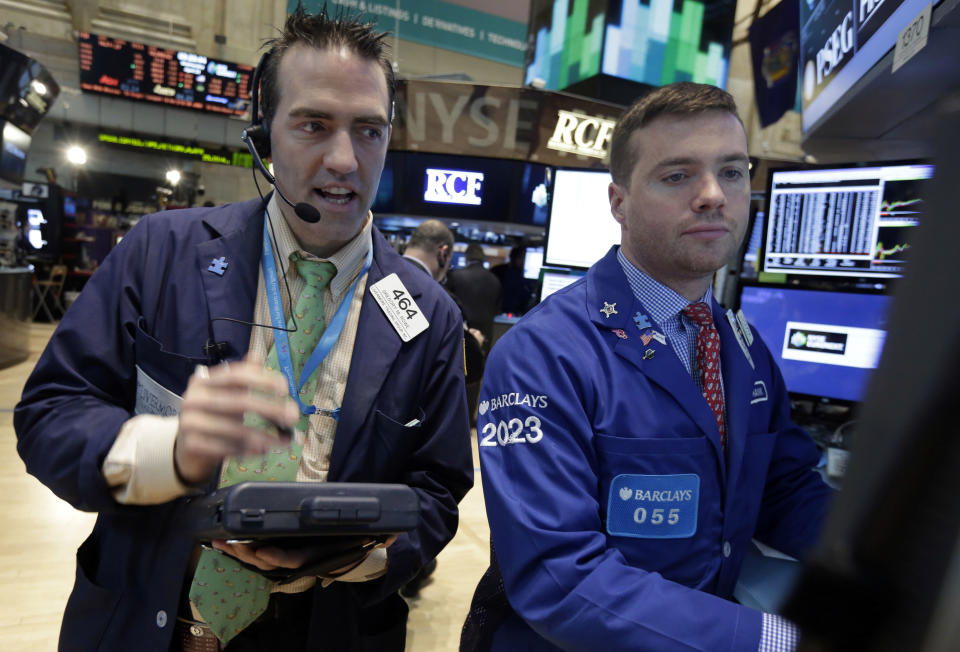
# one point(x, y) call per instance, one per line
point(267, 510)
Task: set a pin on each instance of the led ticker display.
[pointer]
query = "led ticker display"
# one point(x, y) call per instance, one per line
point(143, 72)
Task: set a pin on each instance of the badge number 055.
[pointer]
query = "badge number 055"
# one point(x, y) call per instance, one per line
point(512, 431)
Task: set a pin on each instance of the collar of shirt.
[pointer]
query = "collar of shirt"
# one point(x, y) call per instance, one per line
point(348, 259)
point(661, 302)
point(419, 263)
point(665, 306)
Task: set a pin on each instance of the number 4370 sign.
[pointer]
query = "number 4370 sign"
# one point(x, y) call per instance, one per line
point(913, 38)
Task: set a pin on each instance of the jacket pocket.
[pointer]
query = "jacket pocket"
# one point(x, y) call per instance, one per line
point(669, 538)
point(170, 370)
point(395, 440)
point(91, 606)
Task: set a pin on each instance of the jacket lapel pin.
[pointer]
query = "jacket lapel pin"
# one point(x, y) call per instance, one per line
point(218, 266)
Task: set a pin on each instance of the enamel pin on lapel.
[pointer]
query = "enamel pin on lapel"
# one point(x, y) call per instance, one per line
point(609, 309)
point(641, 321)
point(218, 266)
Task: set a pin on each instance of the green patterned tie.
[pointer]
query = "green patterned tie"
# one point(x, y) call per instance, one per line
point(228, 595)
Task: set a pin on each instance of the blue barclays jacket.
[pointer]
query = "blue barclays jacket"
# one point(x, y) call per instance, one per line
point(614, 519)
point(149, 306)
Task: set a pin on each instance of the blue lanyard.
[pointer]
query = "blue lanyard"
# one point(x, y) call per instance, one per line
point(280, 341)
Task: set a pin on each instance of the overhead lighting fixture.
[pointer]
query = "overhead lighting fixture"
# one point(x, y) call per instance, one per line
point(76, 155)
point(173, 177)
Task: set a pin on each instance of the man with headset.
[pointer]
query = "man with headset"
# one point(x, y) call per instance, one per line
point(127, 411)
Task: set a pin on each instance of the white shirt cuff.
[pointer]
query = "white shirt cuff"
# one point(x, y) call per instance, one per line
point(373, 566)
point(778, 634)
point(139, 467)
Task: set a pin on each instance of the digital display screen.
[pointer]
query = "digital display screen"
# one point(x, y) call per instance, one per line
point(176, 78)
point(581, 229)
point(35, 221)
point(825, 343)
point(841, 40)
point(463, 188)
point(557, 279)
point(453, 187)
point(14, 146)
point(846, 221)
point(654, 42)
point(532, 262)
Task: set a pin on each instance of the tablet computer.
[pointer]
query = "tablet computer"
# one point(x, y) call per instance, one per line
point(284, 510)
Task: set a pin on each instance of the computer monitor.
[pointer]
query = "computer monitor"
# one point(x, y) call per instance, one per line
point(532, 262)
point(848, 221)
point(14, 147)
point(556, 279)
point(825, 343)
point(581, 229)
point(459, 255)
point(753, 245)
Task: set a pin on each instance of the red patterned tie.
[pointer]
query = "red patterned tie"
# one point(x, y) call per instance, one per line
point(708, 360)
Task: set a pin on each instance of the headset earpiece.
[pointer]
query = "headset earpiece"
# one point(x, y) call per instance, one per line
point(260, 135)
point(258, 131)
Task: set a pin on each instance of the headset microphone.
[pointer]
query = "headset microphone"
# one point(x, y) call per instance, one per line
point(304, 211)
point(257, 139)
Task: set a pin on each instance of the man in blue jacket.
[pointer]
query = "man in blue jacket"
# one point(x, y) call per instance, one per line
point(633, 435)
point(128, 411)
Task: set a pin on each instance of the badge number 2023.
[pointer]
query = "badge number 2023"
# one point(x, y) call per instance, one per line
point(513, 431)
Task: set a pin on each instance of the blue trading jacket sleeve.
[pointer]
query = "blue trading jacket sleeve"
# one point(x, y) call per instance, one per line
point(541, 486)
point(82, 389)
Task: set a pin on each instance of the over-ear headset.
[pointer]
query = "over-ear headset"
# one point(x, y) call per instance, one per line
point(257, 139)
point(258, 131)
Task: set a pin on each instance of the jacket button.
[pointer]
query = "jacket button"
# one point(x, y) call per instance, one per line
point(161, 619)
point(726, 548)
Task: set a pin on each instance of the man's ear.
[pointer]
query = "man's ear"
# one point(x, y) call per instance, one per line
point(616, 194)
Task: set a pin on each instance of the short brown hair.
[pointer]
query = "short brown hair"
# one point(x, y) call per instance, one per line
point(681, 98)
point(322, 31)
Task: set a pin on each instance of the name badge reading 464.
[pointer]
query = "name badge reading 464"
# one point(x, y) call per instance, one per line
point(653, 506)
point(403, 312)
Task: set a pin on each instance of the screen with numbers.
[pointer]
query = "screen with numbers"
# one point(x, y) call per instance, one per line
point(176, 78)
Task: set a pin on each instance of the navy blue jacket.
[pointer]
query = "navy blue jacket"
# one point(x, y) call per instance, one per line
point(150, 305)
point(582, 428)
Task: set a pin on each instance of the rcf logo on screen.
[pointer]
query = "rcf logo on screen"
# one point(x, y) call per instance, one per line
point(453, 187)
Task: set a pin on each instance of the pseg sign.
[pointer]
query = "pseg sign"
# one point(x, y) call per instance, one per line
point(577, 133)
point(453, 187)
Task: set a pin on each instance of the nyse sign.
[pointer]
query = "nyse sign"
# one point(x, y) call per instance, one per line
point(581, 134)
point(453, 187)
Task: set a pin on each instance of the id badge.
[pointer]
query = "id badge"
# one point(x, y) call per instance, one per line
point(653, 506)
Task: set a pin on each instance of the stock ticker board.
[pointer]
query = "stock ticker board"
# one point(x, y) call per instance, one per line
point(188, 80)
